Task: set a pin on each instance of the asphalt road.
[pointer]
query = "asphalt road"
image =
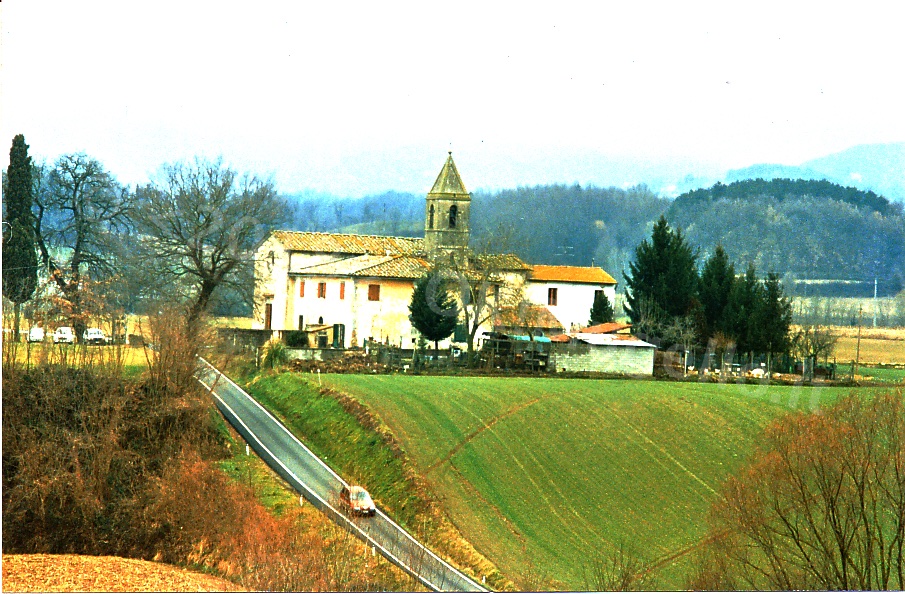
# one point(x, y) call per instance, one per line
point(320, 485)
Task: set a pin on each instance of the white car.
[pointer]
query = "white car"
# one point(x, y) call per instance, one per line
point(94, 336)
point(357, 500)
point(63, 334)
point(36, 334)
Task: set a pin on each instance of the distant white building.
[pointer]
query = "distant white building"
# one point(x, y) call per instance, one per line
point(568, 292)
point(346, 288)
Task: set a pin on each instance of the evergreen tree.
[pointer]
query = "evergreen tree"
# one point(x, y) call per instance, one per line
point(743, 303)
point(663, 280)
point(20, 260)
point(715, 292)
point(601, 310)
point(433, 310)
point(772, 318)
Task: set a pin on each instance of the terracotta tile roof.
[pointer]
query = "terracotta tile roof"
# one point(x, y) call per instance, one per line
point(572, 274)
point(498, 262)
point(608, 328)
point(535, 316)
point(370, 266)
point(345, 243)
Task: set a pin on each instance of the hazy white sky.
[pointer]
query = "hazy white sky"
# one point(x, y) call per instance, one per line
point(362, 97)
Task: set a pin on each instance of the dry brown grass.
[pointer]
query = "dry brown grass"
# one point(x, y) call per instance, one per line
point(81, 573)
point(878, 345)
point(873, 351)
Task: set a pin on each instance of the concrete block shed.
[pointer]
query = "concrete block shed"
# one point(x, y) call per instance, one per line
point(605, 353)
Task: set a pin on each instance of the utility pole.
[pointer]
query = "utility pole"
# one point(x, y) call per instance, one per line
point(858, 345)
point(875, 302)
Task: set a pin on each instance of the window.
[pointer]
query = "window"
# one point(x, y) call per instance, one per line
point(301, 322)
point(321, 290)
point(430, 224)
point(453, 214)
point(598, 294)
point(373, 292)
point(301, 288)
point(551, 296)
point(342, 290)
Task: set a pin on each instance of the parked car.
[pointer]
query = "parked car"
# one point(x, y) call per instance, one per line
point(94, 336)
point(63, 334)
point(36, 334)
point(357, 501)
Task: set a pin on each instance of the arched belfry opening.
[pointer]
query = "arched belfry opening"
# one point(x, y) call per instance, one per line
point(448, 197)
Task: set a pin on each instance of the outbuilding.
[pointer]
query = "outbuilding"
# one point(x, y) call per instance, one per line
point(622, 354)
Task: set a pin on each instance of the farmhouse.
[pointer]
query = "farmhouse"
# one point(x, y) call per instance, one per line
point(350, 288)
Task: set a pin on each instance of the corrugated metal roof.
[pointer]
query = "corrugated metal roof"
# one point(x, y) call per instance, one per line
point(449, 181)
point(370, 266)
point(346, 243)
point(612, 340)
point(572, 274)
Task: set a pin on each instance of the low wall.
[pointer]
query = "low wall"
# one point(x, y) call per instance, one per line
point(315, 354)
point(621, 359)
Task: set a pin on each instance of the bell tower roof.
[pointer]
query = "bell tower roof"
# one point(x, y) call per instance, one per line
point(449, 182)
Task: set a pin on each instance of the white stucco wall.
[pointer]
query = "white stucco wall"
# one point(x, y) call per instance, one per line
point(573, 303)
point(271, 277)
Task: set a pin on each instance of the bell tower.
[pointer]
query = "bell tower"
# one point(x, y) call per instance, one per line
point(447, 212)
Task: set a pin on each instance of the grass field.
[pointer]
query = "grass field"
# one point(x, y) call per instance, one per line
point(545, 475)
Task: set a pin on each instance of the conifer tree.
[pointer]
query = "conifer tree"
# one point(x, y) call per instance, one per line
point(714, 293)
point(662, 284)
point(20, 260)
point(601, 310)
point(433, 310)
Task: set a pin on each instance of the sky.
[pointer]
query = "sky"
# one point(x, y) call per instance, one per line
point(357, 98)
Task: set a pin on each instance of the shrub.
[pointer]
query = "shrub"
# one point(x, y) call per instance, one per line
point(275, 354)
point(296, 339)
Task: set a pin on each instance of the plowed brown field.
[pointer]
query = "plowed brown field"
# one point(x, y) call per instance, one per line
point(79, 573)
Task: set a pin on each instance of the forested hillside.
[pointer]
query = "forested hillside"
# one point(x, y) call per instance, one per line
point(800, 229)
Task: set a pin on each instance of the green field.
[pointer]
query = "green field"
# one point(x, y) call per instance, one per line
point(545, 475)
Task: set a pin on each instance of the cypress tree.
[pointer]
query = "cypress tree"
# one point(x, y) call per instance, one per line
point(20, 260)
point(601, 310)
point(433, 310)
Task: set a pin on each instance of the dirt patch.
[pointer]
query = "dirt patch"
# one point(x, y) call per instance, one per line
point(81, 573)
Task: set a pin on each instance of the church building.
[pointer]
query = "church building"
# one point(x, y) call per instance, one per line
point(344, 289)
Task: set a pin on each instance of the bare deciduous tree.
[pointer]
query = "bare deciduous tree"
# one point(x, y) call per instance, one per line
point(822, 505)
point(80, 211)
point(201, 222)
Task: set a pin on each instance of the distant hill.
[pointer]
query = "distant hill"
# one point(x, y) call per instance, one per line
point(801, 229)
point(877, 167)
point(870, 167)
